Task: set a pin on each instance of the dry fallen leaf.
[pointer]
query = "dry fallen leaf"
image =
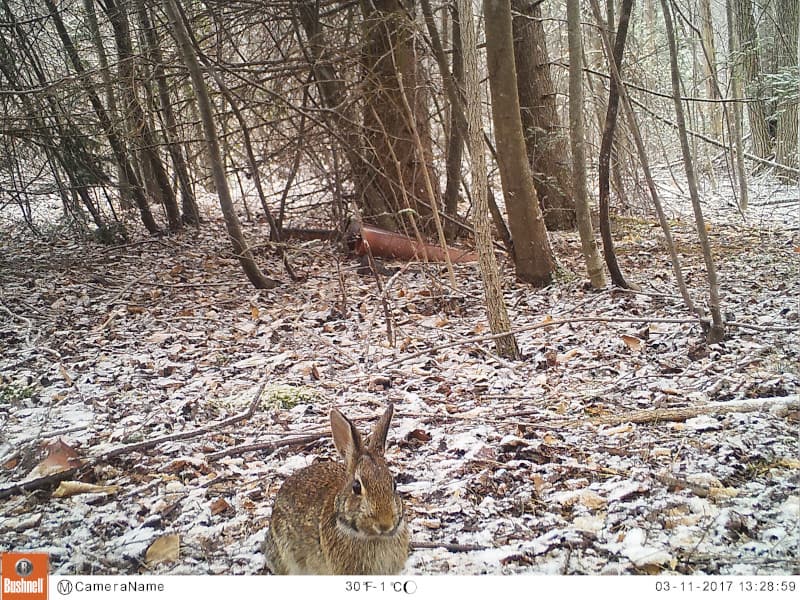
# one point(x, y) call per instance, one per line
point(60, 457)
point(72, 488)
point(167, 548)
point(65, 375)
point(633, 343)
point(220, 505)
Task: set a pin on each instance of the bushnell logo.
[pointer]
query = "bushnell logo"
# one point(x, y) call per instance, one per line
point(24, 575)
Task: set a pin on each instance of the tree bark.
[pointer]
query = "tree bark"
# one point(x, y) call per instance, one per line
point(188, 202)
point(736, 93)
point(141, 134)
point(545, 140)
point(497, 313)
point(591, 255)
point(709, 67)
point(403, 170)
point(607, 141)
point(455, 140)
point(787, 19)
point(751, 76)
point(533, 256)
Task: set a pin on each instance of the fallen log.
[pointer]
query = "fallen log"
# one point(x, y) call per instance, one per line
point(388, 244)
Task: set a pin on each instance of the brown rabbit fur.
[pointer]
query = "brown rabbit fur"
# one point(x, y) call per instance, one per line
point(340, 519)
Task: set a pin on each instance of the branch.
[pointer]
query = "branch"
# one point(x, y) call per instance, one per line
point(659, 415)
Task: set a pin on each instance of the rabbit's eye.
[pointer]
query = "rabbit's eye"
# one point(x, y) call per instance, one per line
point(356, 487)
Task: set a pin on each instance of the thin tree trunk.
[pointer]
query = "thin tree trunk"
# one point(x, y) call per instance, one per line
point(615, 56)
point(141, 134)
point(240, 247)
point(709, 65)
point(455, 97)
point(591, 255)
point(642, 152)
point(455, 140)
point(111, 99)
point(736, 94)
point(717, 331)
point(533, 256)
point(188, 203)
point(497, 313)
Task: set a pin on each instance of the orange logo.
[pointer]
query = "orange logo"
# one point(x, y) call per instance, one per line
point(23, 575)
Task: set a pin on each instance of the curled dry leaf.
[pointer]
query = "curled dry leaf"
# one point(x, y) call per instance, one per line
point(632, 342)
point(72, 488)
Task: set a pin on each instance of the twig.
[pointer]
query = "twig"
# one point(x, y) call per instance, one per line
point(673, 482)
point(448, 547)
point(42, 482)
point(270, 446)
point(138, 447)
point(35, 484)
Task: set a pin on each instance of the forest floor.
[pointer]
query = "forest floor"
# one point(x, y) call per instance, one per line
point(621, 444)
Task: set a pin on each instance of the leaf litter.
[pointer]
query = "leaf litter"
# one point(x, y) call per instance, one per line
point(621, 444)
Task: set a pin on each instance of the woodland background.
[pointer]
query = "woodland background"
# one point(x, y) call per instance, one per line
point(191, 276)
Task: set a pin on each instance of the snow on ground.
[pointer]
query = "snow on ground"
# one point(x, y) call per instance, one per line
point(575, 460)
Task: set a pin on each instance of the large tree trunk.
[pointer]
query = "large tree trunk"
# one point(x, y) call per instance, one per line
point(787, 19)
point(392, 69)
point(240, 248)
point(752, 80)
point(499, 321)
point(341, 112)
point(577, 132)
point(545, 140)
point(533, 257)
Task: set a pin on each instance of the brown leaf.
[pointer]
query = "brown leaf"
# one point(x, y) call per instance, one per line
point(220, 505)
point(60, 457)
point(633, 343)
point(419, 435)
point(167, 548)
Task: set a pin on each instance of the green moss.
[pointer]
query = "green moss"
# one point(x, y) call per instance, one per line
point(288, 396)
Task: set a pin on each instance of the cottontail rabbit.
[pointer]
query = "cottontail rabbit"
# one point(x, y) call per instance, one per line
point(340, 519)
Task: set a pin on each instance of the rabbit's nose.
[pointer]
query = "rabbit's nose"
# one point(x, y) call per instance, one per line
point(384, 525)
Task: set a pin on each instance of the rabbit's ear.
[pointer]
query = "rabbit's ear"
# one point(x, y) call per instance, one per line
point(377, 440)
point(345, 437)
